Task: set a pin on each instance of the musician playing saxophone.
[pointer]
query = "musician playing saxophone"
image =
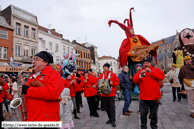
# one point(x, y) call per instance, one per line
point(41, 101)
point(108, 100)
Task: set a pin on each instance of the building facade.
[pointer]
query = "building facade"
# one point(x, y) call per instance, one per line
point(114, 65)
point(25, 35)
point(94, 56)
point(84, 58)
point(165, 51)
point(51, 41)
point(6, 41)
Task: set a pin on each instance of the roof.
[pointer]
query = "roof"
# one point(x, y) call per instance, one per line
point(46, 30)
point(168, 40)
point(88, 44)
point(4, 23)
point(106, 57)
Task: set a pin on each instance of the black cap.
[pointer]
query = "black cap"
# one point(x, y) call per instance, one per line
point(146, 59)
point(67, 74)
point(90, 70)
point(45, 56)
point(107, 65)
point(85, 71)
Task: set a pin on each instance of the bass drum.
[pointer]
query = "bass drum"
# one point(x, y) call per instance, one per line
point(104, 86)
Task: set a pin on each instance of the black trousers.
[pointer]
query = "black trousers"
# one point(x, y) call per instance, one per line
point(77, 99)
point(153, 105)
point(92, 105)
point(97, 100)
point(1, 114)
point(5, 103)
point(109, 106)
point(81, 98)
point(174, 93)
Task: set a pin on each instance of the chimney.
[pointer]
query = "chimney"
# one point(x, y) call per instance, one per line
point(53, 29)
point(61, 35)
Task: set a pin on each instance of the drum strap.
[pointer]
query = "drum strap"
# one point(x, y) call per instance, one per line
point(108, 76)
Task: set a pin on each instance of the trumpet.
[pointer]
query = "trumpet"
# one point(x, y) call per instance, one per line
point(18, 104)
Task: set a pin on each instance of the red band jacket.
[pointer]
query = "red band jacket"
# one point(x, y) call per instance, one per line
point(148, 85)
point(71, 87)
point(3, 92)
point(88, 86)
point(41, 102)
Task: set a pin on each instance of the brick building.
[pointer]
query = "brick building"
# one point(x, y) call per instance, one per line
point(84, 59)
point(25, 36)
point(6, 41)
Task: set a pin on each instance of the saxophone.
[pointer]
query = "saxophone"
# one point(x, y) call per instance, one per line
point(18, 104)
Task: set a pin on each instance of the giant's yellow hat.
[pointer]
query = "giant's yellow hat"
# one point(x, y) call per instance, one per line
point(187, 57)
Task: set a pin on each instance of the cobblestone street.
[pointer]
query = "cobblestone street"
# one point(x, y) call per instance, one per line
point(172, 115)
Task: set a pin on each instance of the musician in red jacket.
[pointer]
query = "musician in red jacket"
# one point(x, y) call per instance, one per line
point(90, 92)
point(3, 87)
point(41, 101)
point(109, 100)
point(71, 85)
point(149, 87)
point(78, 89)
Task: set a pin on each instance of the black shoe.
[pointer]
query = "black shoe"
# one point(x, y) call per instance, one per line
point(96, 115)
point(113, 124)
point(160, 103)
point(78, 112)
point(108, 122)
point(76, 117)
point(179, 100)
point(174, 100)
point(91, 115)
point(102, 109)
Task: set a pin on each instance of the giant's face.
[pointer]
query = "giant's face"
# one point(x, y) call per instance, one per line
point(187, 36)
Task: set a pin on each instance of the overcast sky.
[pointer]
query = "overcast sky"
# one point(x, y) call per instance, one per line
point(77, 19)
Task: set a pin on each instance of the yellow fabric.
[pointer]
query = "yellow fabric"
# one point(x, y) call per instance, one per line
point(133, 43)
point(179, 59)
point(187, 81)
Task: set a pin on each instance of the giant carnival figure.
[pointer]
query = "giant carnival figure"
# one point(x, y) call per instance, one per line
point(186, 39)
point(134, 48)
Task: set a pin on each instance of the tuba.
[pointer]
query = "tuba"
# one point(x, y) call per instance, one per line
point(18, 104)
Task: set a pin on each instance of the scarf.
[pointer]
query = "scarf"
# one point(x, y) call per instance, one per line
point(176, 71)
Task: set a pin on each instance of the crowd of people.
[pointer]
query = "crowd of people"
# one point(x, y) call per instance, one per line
point(49, 97)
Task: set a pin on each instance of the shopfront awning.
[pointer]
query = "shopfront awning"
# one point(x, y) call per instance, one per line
point(12, 69)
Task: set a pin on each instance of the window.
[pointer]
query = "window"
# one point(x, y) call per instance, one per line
point(67, 49)
point(64, 51)
point(0, 52)
point(49, 31)
point(165, 50)
point(5, 53)
point(25, 52)
point(98, 64)
point(57, 59)
point(18, 28)
point(42, 44)
point(26, 31)
point(33, 52)
point(17, 50)
point(110, 63)
point(50, 46)
point(33, 33)
point(4, 34)
point(56, 48)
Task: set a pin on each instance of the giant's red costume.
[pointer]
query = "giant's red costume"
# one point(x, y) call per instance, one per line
point(127, 44)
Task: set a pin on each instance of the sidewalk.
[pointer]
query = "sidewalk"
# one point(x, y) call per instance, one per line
point(172, 115)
